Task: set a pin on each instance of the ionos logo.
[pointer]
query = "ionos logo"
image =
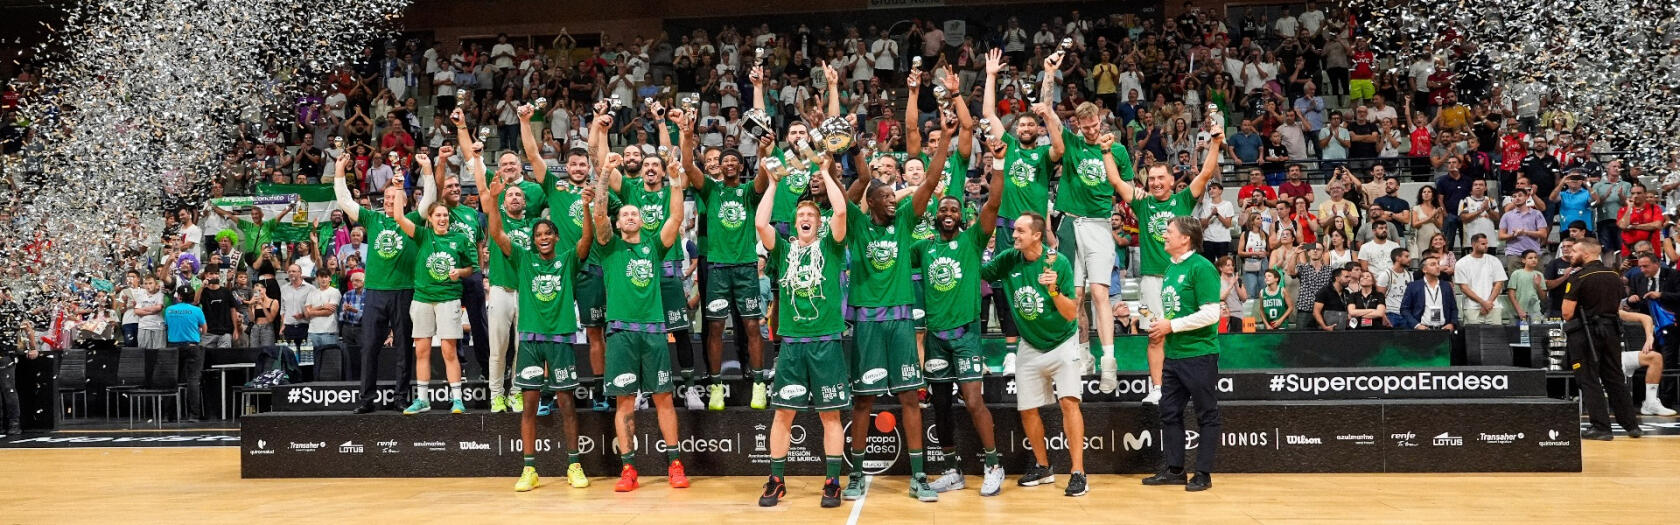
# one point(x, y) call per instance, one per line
point(791, 392)
point(624, 379)
point(350, 447)
point(1302, 440)
point(874, 375)
point(1446, 439)
point(1139, 441)
point(306, 447)
point(1503, 439)
point(1246, 439)
point(883, 445)
point(935, 365)
point(694, 444)
point(531, 372)
point(473, 445)
point(1404, 440)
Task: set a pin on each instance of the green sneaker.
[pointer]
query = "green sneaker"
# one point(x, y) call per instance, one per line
point(920, 490)
point(498, 404)
point(759, 399)
point(854, 487)
point(418, 406)
point(716, 395)
point(516, 402)
point(457, 408)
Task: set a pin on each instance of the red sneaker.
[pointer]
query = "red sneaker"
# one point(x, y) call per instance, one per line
point(626, 480)
point(679, 479)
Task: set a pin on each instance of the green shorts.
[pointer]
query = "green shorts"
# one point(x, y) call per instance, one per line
point(1361, 89)
point(637, 362)
point(545, 365)
point(733, 285)
point(959, 358)
point(591, 291)
point(884, 358)
point(809, 377)
point(675, 300)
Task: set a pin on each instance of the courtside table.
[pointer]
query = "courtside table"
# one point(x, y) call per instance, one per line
point(222, 370)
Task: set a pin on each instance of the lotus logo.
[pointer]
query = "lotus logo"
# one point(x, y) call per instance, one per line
point(873, 375)
point(934, 365)
point(531, 372)
point(791, 392)
point(624, 380)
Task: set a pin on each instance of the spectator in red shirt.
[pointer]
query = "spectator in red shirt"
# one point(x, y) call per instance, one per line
point(1512, 147)
point(397, 139)
point(1640, 220)
point(1257, 184)
point(1364, 63)
point(1422, 142)
point(1296, 185)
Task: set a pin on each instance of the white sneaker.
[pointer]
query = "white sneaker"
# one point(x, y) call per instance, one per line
point(1655, 408)
point(693, 398)
point(993, 484)
point(1109, 383)
point(1009, 364)
point(641, 402)
point(1154, 397)
point(950, 480)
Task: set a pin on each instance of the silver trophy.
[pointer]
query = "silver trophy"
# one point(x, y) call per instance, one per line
point(757, 123)
point(1027, 91)
point(986, 129)
point(836, 134)
point(338, 143)
point(484, 131)
point(1216, 119)
point(773, 167)
point(615, 102)
point(916, 64)
point(539, 104)
point(1062, 50)
point(942, 95)
point(805, 151)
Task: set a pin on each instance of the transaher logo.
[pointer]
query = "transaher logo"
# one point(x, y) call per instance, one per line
point(1390, 383)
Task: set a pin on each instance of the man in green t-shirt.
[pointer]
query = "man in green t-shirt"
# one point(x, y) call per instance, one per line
point(390, 284)
point(800, 169)
point(1153, 211)
point(811, 367)
point(1033, 277)
point(257, 231)
point(637, 358)
point(1189, 331)
point(1025, 162)
point(544, 363)
point(951, 266)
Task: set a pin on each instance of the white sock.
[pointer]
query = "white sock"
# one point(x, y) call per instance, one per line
point(455, 391)
point(425, 393)
point(1154, 387)
point(1108, 351)
point(1651, 394)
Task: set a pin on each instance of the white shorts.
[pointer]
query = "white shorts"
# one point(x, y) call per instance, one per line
point(441, 320)
point(1036, 370)
point(1630, 364)
point(1149, 294)
point(1094, 251)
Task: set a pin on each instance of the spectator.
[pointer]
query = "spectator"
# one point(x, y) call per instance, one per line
point(1296, 186)
point(1217, 216)
point(1429, 303)
point(1657, 287)
point(218, 306)
point(1478, 213)
point(1573, 201)
point(1527, 290)
point(1454, 187)
point(149, 306)
point(294, 296)
point(1312, 275)
point(1481, 278)
point(186, 326)
point(1330, 307)
point(1367, 307)
point(1376, 254)
point(1524, 228)
point(1275, 303)
point(321, 310)
point(1640, 220)
point(1333, 140)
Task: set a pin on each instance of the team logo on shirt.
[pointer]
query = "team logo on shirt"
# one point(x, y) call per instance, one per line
point(1028, 303)
point(640, 272)
point(944, 273)
point(1091, 171)
point(520, 238)
point(462, 228)
point(653, 216)
point(1170, 301)
point(797, 177)
point(1022, 174)
point(576, 211)
point(388, 244)
point(882, 254)
point(1158, 223)
point(732, 215)
point(546, 287)
point(439, 265)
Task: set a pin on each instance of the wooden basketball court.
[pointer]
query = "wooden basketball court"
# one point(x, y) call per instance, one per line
point(1625, 481)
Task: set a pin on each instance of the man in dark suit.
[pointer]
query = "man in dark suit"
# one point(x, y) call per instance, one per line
point(1429, 303)
point(1654, 284)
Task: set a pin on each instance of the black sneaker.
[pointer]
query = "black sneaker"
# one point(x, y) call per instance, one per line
point(1076, 485)
point(1201, 482)
point(364, 408)
point(1037, 475)
point(831, 493)
point(1636, 432)
point(1166, 477)
point(1594, 434)
point(774, 489)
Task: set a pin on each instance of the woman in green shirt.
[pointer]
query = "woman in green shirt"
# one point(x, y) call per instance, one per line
point(444, 257)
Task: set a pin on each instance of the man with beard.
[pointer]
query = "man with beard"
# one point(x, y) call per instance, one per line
point(793, 186)
point(951, 264)
point(1154, 210)
point(955, 169)
point(885, 358)
point(545, 361)
point(390, 285)
point(810, 368)
point(731, 273)
point(1590, 302)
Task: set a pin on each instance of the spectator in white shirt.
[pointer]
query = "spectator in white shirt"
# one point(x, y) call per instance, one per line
point(321, 308)
point(502, 53)
point(1480, 277)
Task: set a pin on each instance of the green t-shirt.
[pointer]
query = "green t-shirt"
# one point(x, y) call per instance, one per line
point(632, 274)
point(463, 219)
point(880, 276)
point(535, 197)
point(519, 232)
point(809, 296)
point(951, 278)
point(1084, 190)
point(256, 234)
point(565, 208)
point(1187, 286)
point(546, 302)
point(436, 256)
point(1153, 216)
point(1036, 316)
point(1026, 179)
point(791, 187)
point(654, 213)
point(949, 186)
point(390, 264)
point(731, 238)
point(1274, 306)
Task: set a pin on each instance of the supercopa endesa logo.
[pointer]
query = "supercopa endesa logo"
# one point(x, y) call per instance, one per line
point(884, 444)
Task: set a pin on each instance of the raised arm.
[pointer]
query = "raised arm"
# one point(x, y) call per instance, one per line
point(429, 184)
point(1210, 165)
point(463, 137)
point(674, 221)
point(994, 201)
point(761, 220)
point(685, 148)
point(587, 238)
point(406, 225)
point(935, 175)
point(341, 190)
point(866, 174)
point(1053, 128)
point(988, 96)
point(965, 120)
point(834, 82)
point(533, 150)
point(493, 215)
point(757, 78)
point(912, 133)
point(836, 200)
point(1122, 189)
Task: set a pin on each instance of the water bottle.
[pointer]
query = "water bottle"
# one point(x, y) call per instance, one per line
point(1522, 331)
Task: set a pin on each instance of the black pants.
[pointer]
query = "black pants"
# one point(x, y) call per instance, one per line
point(192, 374)
point(1610, 236)
point(1595, 354)
point(1214, 250)
point(1338, 83)
point(1184, 380)
point(8, 393)
point(350, 340)
point(472, 298)
point(385, 313)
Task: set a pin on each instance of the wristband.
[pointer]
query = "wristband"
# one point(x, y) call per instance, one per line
point(1106, 151)
point(997, 164)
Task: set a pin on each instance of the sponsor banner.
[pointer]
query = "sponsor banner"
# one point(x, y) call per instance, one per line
point(345, 395)
point(1326, 384)
point(1257, 436)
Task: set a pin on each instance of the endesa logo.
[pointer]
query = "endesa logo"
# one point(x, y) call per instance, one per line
point(693, 444)
point(884, 444)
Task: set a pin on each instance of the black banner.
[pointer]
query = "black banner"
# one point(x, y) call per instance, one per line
point(1539, 435)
